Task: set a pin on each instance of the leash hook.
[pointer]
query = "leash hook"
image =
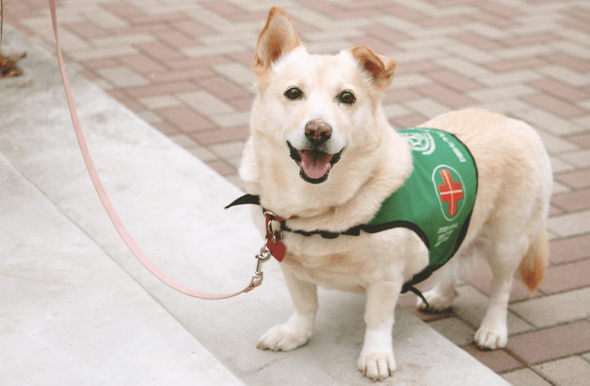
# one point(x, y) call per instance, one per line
point(261, 257)
point(265, 252)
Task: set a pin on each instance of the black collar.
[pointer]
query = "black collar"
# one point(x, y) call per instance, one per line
point(354, 231)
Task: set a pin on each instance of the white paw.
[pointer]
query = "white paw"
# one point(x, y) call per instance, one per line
point(377, 365)
point(491, 338)
point(437, 302)
point(282, 338)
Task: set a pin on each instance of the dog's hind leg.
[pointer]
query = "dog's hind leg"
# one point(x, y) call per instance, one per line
point(530, 259)
point(442, 284)
point(299, 327)
point(440, 287)
point(503, 258)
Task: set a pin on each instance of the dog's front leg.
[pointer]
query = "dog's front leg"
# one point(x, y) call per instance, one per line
point(300, 325)
point(376, 360)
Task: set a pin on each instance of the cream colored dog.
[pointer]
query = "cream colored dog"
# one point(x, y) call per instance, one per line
point(323, 155)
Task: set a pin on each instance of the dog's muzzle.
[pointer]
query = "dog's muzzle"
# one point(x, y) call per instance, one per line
point(315, 161)
point(314, 164)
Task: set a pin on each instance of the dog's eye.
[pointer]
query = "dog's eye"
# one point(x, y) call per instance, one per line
point(293, 93)
point(347, 97)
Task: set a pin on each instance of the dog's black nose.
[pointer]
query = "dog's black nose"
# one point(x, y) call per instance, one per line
point(318, 131)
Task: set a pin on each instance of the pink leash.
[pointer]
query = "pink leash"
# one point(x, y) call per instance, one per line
point(261, 257)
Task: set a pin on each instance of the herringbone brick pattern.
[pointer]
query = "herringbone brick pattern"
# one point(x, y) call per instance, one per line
point(184, 66)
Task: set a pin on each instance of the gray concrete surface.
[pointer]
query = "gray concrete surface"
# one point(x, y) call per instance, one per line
point(77, 308)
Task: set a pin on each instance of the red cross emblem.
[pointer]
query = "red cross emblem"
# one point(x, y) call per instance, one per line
point(450, 191)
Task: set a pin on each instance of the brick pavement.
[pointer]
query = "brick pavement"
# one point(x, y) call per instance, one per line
point(184, 66)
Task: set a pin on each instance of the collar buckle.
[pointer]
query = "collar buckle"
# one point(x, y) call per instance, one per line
point(273, 237)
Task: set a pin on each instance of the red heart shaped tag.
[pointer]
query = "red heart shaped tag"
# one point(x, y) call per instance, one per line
point(278, 250)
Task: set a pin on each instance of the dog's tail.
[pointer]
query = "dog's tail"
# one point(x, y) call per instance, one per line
point(533, 266)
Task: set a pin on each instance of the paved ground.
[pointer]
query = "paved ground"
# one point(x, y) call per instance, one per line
point(183, 66)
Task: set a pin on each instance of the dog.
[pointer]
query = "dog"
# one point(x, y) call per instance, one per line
point(323, 159)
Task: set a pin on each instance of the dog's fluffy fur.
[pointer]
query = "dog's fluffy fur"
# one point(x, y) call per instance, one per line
point(508, 222)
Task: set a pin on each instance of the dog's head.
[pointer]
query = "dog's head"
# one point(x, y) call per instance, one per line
point(319, 110)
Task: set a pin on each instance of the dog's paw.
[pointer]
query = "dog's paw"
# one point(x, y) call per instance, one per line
point(377, 365)
point(282, 338)
point(491, 338)
point(437, 302)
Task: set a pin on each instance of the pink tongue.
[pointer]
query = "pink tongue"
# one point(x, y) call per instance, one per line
point(315, 164)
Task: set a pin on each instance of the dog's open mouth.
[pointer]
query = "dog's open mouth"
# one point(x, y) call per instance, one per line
point(314, 164)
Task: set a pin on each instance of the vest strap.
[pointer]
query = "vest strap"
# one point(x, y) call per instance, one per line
point(418, 293)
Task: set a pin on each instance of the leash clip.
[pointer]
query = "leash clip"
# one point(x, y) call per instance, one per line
point(261, 257)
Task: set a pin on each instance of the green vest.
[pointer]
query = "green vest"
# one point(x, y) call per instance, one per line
point(437, 199)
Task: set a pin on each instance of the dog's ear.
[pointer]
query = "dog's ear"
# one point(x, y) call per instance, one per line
point(278, 38)
point(381, 68)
